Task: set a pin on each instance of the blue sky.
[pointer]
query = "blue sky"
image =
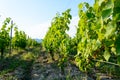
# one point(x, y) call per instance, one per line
point(34, 16)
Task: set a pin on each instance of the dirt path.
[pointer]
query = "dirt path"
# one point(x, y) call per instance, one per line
point(45, 69)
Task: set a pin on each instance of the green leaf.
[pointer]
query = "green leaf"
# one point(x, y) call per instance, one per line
point(118, 60)
point(118, 46)
point(109, 42)
point(110, 30)
point(90, 15)
point(100, 2)
point(109, 4)
point(106, 55)
point(106, 13)
point(117, 17)
point(116, 3)
point(87, 5)
point(118, 50)
point(113, 50)
point(96, 5)
point(80, 6)
point(116, 7)
point(98, 43)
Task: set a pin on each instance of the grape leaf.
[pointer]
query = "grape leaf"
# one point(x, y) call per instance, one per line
point(106, 13)
point(118, 46)
point(118, 60)
point(106, 55)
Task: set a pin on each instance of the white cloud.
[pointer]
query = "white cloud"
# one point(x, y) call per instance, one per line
point(2, 18)
point(39, 30)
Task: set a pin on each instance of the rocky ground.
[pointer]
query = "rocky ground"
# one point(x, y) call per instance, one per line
point(45, 69)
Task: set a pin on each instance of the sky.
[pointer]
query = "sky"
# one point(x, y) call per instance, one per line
point(35, 16)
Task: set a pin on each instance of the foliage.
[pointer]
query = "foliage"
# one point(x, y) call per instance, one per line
point(97, 33)
point(4, 35)
point(31, 42)
point(20, 39)
point(73, 46)
point(57, 37)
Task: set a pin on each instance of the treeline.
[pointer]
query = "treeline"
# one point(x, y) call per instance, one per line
point(19, 40)
point(97, 41)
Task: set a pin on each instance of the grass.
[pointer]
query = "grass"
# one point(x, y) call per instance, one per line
point(28, 56)
point(18, 58)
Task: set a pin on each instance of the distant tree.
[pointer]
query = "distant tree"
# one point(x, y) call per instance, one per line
point(31, 42)
point(20, 39)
